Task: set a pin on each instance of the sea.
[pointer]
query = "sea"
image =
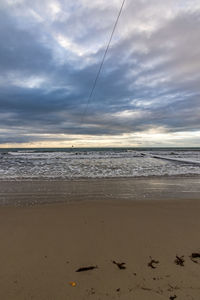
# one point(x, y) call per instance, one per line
point(74, 163)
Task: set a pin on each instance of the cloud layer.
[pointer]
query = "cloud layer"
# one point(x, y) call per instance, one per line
point(148, 91)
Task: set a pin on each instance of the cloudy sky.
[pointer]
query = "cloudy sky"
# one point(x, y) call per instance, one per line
point(148, 93)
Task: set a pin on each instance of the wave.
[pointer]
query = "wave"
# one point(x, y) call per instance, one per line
point(181, 160)
point(97, 164)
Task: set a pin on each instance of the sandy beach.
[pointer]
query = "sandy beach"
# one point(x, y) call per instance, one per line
point(42, 247)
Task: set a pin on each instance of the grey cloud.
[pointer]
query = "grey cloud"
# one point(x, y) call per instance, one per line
point(161, 67)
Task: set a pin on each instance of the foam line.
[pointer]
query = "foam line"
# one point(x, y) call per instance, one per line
point(177, 159)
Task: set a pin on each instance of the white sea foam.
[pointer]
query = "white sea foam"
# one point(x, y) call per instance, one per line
point(182, 160)
point(97, 164)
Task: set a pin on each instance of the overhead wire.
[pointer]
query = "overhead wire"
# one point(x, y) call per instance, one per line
point(102, 62)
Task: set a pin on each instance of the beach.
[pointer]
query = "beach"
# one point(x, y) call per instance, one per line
point(137, 247)
point(99, 150)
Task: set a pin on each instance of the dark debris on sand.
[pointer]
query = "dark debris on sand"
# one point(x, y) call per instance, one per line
point(194, 256)
point(83, 269)
point(121, 266)
point(152, 263)
point(172, 297)
point(179, 260)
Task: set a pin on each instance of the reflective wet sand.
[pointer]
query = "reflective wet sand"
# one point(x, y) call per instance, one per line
point(133, 189)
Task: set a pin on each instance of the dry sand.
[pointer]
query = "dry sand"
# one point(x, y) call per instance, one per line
point(43, 246)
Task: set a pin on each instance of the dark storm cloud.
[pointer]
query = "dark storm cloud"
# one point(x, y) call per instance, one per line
point(50, 53)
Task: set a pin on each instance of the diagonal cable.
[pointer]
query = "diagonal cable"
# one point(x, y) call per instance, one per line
point(102, 62)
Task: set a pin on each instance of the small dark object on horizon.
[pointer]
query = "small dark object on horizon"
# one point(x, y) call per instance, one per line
point(121, 266)
point(172, 297)
point(179, 260)
point(193, 256)
point(152, 262)
point(83, 269)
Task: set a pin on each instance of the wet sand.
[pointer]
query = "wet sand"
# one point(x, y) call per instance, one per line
point(29, 192)
point(43, 246)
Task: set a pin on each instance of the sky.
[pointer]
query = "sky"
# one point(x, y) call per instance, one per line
point(148, 93)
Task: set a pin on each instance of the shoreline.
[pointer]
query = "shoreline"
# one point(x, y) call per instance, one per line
point(31, 192)
point(102, 178)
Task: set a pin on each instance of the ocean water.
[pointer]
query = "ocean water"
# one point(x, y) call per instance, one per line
point(74, 163)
